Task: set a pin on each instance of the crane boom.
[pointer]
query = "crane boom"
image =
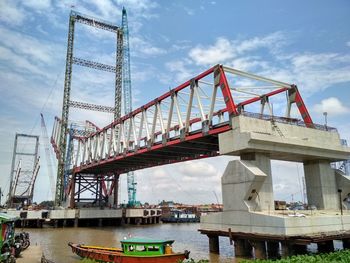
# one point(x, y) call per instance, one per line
point(127, 99)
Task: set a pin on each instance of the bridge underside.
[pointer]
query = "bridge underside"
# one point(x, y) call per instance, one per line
point(176, 150)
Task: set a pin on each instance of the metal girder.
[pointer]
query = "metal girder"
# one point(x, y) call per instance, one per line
point(90, 106)
point(183, 122)
point(94, 22)
point(93, 64)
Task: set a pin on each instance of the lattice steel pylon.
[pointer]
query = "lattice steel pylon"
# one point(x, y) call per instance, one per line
point(61, 150)
point(131, 182)
point(24, 170)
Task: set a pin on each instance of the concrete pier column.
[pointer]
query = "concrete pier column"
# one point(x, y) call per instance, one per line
point(242, 248)
point(273, 249)
point(298, 249)
point(56, 223)
point(100, 222)
point(325, 247)
point(286, 249)
point(321, 187)
point(72, 193)
point(115, 190)
point(64, 222)
point(76, 222)
point(259, 249)
point(346, 243)
point(260, 188)
point(214, 244)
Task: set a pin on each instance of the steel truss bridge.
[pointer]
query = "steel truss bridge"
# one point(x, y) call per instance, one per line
point(182, 124)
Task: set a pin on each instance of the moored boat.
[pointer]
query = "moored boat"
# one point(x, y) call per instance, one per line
point(132, 250)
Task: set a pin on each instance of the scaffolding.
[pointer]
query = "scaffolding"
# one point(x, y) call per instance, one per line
point(65, 179)
point(24, 170)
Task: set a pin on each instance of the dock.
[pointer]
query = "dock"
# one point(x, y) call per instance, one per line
point(85, 217)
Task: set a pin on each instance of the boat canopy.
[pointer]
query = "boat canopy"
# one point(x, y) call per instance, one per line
point(145, 246)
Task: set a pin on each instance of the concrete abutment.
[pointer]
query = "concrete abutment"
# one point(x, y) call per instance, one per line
point(247, 189)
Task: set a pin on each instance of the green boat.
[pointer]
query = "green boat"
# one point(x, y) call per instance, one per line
point(7, 238)
point(133, 250)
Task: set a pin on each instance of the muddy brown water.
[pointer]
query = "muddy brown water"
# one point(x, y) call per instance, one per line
point(54, 240)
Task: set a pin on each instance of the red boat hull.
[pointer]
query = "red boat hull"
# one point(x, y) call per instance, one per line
point(115, 256)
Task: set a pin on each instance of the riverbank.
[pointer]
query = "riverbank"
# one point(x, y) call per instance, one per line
point(32, 254)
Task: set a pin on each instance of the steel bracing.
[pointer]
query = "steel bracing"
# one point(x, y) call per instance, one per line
point(184, 123)
point(90, 106)
point(61, 130)
point(24, 170)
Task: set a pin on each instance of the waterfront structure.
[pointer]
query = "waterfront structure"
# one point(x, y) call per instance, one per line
point(24, 170)
point(233, 121)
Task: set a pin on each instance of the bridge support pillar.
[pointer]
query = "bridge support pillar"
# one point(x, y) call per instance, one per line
point(259, 249)
point(299, 249)
point(72, 193)
point(346, 243)
point(325, 247)
point(321, 185)
point(214, 244)
point(272, 249)
point(242, 248)
point(115, 190)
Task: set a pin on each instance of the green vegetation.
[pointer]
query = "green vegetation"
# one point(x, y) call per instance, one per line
point(342, 256)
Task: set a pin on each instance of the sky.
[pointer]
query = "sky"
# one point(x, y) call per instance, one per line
point(302, 42)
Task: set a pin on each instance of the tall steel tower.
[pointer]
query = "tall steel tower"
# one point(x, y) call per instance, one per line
point(67, 102)
point(127, 99)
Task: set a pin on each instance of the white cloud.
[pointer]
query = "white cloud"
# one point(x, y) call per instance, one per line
point(143, 48)
point(34, 49)
point(348, 43)
point(332, 106)
point(180, 69)
point(106, 8)
point(265, 56)
point(38, 4)
point(189, 11)
point(10, 13)
point(221, 50)
point(224, 49)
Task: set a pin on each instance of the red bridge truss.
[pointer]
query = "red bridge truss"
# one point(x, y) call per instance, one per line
point(184, 123)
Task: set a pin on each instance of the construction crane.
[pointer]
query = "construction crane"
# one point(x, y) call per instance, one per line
point(46, 143)
point(127, 100)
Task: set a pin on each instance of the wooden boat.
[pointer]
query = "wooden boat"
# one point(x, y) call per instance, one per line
point(133, 250)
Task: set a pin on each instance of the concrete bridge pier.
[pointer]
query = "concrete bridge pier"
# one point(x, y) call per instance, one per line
point(325, 247)
point(272, 249)
point(247, 187)
point(214, 244)
point(298, 249)
point(259, 249)
point(286, 249)
point(242, 248)
point(346, 243)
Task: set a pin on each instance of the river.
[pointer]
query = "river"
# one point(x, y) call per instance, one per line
point(54, 240)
